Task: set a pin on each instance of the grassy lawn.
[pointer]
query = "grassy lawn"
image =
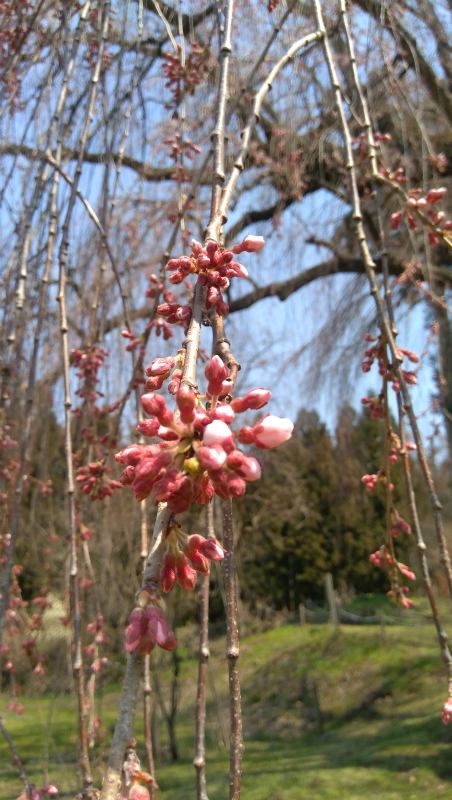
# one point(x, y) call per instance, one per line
point(380, 733)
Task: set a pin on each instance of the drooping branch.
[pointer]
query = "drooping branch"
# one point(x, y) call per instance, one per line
point(383, 319)
point(16, 758)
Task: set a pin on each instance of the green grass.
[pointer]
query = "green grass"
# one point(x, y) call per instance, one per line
point(396, 747)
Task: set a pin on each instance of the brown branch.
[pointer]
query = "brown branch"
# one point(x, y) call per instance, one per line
point(232, 655)
point(383, 320)
point(199, 761)
point(16, 758)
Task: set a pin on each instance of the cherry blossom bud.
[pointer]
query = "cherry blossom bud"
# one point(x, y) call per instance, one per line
point(131, 455)
point(236, 486)
point(211, 457)
point(246, 435)
point(196, 247)
point(395, 220)
point(212, 549)
point(433, 239)
point(435, 195)
point(176, 277)
point(172, 264)
point(128, 476)
point(203, 262)
point(237, 270)
point(216, 432)
point(167, 434)
point(148, 427)
point(168, 572)
point(158, 628)
point(184, 313)
point(135, 631)
point(149, 468)
point(272, 431)
point(165, 309)
point(406, 572)
point(410, 377)
point(213, 295)
point(186, 403)
point(406, 602)
point(198, 561)
point(186, 576)
point(155, 382)
point(239, 405)
point(250, 244)
point(216, 370)
point(447, 711)
point(48, 789)
point(174, 383)
point(201, 420)
point(138, 792)
point(224, 412)
point(257, 398)
point(186, 264)
point(411, 446)
point(160, 366)
point(251, 469)
point(222, 308)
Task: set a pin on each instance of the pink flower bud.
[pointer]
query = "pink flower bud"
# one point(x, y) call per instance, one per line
point(216, 432)
point(410, 377)
point(272, 431)
point(411, 446)
point(153, 404)
point(222, 308)
point(158, 628)
point(196, 247)
point(155, 382)
point(148, 427)
point(213, 295)
point(237, 270)
point(186, 264)
point(447, 711)
point(211, 457)
point(198, 561)
point(168, 572)
point(49, 789)
point(435, 195)
point(138, 792)
point(176, 277)
point(224, 412)
point(201, 420)
point(216, 370)
point(172, 264)
point(251, 469)
point(250, 244)
point(212, 549)
point(395, 220)
point(186, 576)
point(174, 383)
point(257, 398)
point(128, 476)
point(246, 435)
point(186, 403)
point(203, 262)
point(239, 405)
point(167, 434)
point(236, 486)
point(160, 366)
point(165, 309)
point(135, 631)
point(406, 572)
point(131, 455)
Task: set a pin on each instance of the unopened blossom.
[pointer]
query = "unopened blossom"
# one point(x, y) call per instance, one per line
point(148, 627)
point(447, 711)
point(271, 432)
point(250, 244)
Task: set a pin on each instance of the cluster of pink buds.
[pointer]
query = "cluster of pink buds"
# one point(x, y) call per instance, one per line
point(88, 362)
point(377, 352)
point(5, 438)
point(399, 524)
point(215, 268)
point(146, 629)
point(96, 630)
point(160, 370)
point(415, 201)
point(37, 794)
point(182, 549)
point(181, 147)
point(370, 481)
point(198, 456)
point(383, 558)
point(94, 481)
point(181, 79)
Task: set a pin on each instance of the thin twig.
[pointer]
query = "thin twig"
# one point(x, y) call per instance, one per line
point(203, 655)
point(20, 766)
point(232, 655)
